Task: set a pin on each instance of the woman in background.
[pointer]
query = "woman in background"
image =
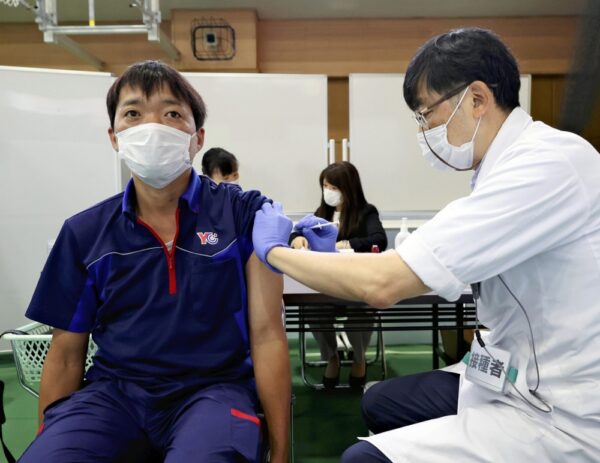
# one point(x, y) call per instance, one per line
point(343, 201)
point(220, 165)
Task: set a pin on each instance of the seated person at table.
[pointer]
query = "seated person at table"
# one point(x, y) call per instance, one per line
point(187, 321)
point(343, 201)
point(221, 166)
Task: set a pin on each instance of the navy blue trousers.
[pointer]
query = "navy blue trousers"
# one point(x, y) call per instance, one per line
point(400, 402)
point(99, 423)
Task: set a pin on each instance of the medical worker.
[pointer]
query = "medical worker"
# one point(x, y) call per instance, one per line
point(186, 319)
point(527, 239)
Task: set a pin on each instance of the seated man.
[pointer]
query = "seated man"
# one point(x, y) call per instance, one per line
point(186, 319)
point(221, 166)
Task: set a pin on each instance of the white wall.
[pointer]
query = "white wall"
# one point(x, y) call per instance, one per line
point(55, 160)
point(276, 125)
point(383, 146)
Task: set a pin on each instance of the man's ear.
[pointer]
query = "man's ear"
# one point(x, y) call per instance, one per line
point(198, 145)
point(200, 140)
point(113, 139)
point(482, 98)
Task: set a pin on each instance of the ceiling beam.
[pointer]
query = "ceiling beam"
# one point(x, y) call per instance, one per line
point(74, 48)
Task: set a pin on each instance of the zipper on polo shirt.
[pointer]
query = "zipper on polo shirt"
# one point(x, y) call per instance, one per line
point(170, 255)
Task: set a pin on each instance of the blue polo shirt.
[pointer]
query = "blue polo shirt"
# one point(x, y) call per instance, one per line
point(161, 319)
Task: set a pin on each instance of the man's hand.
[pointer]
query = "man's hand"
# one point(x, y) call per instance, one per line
point(271, 228)
point(320, 233)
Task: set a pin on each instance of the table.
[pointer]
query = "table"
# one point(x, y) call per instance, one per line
point(423, 313)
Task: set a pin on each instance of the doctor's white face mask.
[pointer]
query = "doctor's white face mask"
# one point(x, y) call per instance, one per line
point(438, 151)
point(157, 154)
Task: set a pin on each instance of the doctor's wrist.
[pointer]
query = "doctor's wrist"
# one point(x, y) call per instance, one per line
point(269, 253)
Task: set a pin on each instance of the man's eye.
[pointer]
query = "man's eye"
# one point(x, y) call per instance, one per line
point(131, 113)
point(174, 114)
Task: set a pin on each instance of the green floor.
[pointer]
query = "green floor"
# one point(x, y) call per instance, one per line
point(316, 413)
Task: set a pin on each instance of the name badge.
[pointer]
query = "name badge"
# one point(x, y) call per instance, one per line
point(487, 367)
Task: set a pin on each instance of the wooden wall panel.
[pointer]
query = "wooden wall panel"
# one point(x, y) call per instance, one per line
point(244, 22)
point(542, 101)
point(340, 47)
point(23, 45)
point(333, 47)
point(547, 94)
point(338, 116)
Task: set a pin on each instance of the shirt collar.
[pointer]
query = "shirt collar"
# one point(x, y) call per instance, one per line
point(128, 205)
point(475, 175)
point(516, 122)
point(191, 196)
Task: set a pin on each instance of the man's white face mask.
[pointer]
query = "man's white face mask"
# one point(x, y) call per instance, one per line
point(438, 151)
point(157, 154)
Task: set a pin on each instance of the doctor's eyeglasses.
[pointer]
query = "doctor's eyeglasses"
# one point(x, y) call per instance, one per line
point(420, 116)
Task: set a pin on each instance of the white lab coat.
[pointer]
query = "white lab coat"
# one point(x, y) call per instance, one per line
point(534, 218)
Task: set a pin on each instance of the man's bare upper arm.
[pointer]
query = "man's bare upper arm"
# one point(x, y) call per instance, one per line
point(265, 289)
point(69, 347)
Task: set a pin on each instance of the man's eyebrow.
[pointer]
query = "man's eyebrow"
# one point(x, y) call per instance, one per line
point(131, 102)
point(136, 101)
point(172, 101)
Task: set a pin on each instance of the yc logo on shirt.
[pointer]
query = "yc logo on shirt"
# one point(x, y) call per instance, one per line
point(208, 238)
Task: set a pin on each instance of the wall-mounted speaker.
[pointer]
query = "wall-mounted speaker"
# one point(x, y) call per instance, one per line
point(213, 39)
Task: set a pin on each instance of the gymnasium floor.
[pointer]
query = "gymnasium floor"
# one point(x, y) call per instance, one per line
point(325, 423)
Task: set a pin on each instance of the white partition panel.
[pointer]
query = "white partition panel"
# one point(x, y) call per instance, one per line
point(55, 160)
point(384, 148)
point(276, 125)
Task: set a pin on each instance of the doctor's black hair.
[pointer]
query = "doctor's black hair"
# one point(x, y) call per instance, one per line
point(219, 159)
point(460, 57)
point(150, 76)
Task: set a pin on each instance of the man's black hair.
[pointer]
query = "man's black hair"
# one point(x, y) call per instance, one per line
point(221, 159)
point(150, 76)
point(460, 57)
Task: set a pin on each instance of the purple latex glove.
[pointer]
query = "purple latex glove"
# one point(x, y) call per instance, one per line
point(271, 229)
point(320, 239)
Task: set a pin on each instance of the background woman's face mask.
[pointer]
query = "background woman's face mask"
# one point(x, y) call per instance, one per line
point(157, 154)
point(331, 197)
point(438, 151)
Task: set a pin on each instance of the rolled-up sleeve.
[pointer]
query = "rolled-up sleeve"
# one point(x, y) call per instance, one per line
point(429, 268)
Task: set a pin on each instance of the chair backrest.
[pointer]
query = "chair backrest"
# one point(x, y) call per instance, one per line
point(30, 350)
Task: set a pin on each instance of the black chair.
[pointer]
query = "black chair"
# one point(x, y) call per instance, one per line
point(353, 319)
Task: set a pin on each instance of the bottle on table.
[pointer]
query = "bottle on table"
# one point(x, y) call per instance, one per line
point(403, 233)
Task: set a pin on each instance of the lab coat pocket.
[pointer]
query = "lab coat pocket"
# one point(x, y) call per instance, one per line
point(245, 434)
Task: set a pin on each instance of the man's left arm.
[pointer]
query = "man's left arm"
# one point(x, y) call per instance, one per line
point(270, 355)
